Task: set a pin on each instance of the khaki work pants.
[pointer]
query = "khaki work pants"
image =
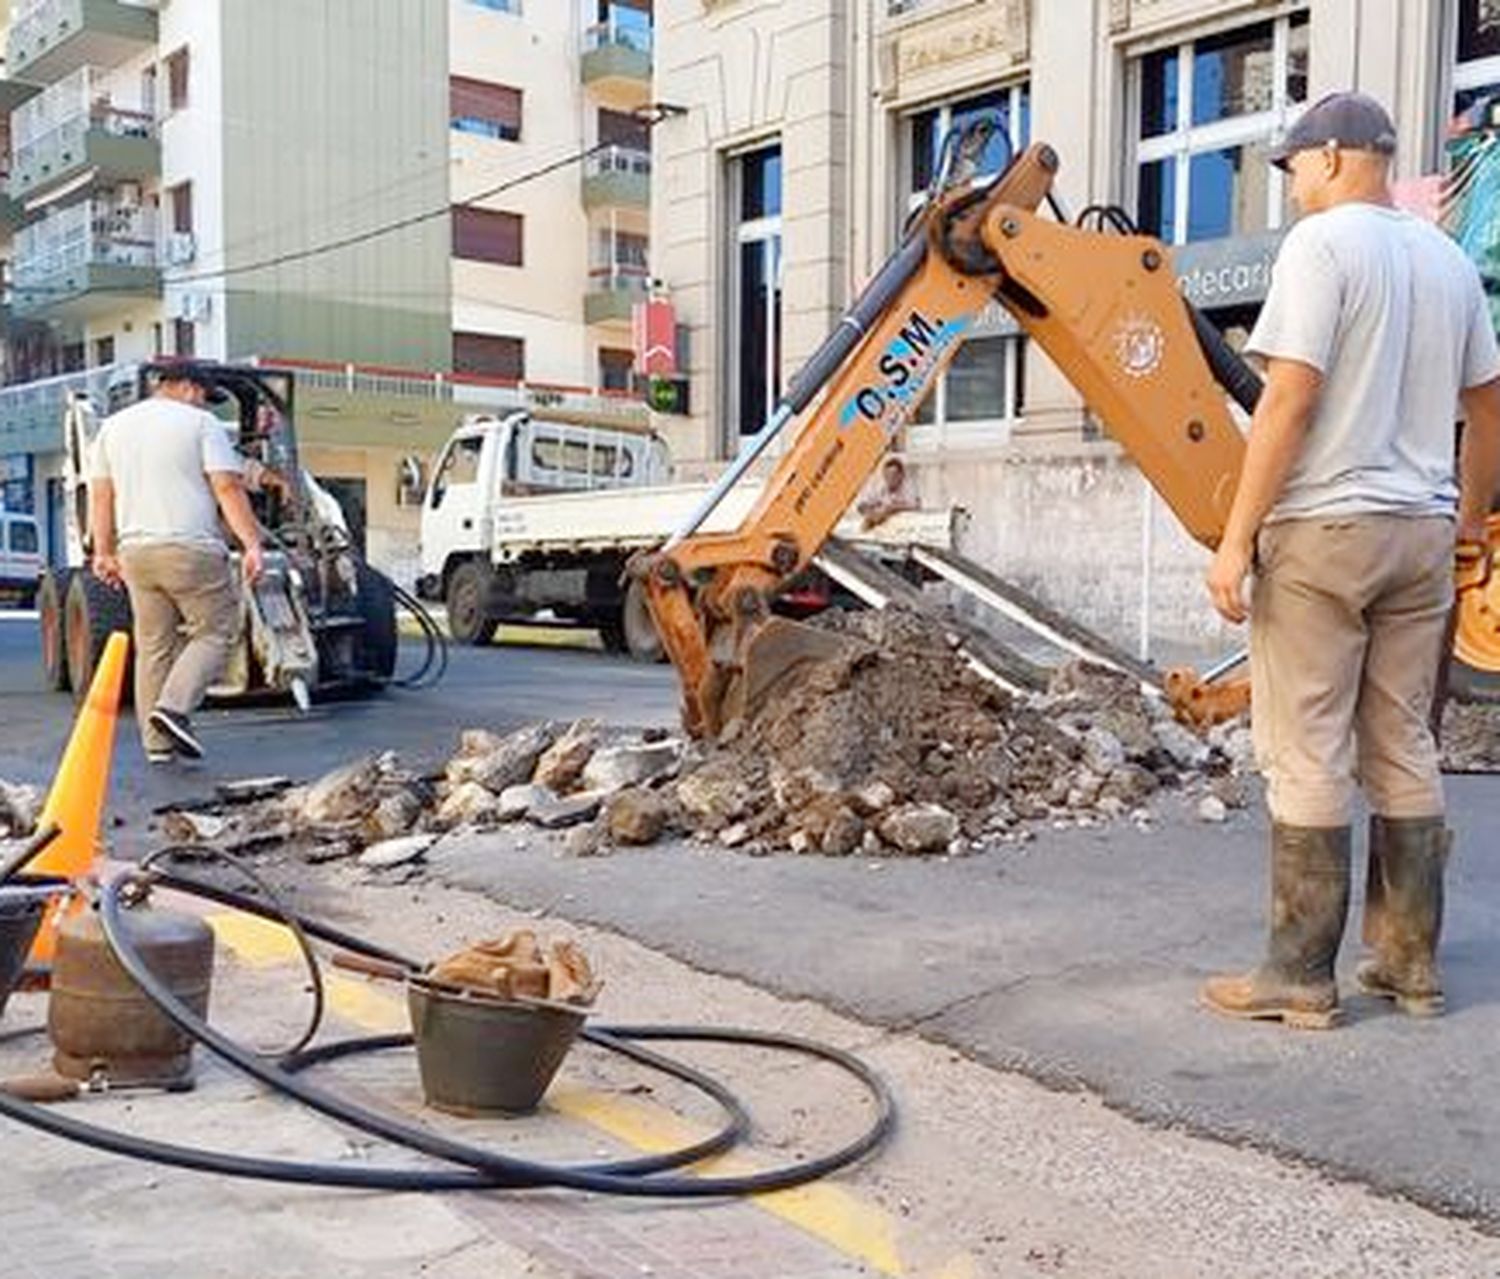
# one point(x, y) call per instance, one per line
point(1348, 620)
point(186, 609)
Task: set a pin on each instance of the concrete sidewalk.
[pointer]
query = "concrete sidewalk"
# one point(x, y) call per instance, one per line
point(1076, 959)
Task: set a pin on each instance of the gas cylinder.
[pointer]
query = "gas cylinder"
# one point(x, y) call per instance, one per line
point(104, 1028)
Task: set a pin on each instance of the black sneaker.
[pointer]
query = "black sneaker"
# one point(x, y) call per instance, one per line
point(179, 730)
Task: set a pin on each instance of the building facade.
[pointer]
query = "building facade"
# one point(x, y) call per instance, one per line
point(812, 127)
point(393, 188)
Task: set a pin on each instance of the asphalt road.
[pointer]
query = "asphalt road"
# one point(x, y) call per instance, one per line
point(1074, 959)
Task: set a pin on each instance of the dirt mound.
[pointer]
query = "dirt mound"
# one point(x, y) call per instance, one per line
point(900, 746)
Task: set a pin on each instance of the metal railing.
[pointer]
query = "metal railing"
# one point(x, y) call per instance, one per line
point(57, 120)
point(618, 159)
point(34, 20)
point(87, 234)
point(624, 28)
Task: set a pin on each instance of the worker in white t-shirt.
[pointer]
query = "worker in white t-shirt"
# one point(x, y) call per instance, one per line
point(161, 473)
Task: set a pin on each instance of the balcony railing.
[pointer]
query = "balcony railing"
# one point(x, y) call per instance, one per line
point(624, 28)
point(619, 176)
point(613, 292)
point(49, 38)
point(78, 123)
point(617, 57)
point(105, 248)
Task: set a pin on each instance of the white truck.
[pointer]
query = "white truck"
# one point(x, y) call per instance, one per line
point(523, 516)
point(20, 557)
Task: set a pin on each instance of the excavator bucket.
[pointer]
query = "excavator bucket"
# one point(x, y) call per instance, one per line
point(776, 653)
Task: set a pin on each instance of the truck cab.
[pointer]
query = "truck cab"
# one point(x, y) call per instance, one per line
point(490, 461)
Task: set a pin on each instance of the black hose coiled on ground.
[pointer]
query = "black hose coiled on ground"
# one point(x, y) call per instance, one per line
point(478, 1168)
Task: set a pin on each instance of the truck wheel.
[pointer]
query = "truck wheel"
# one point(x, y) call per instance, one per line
point(51, 600)
point(93, 613)
point(378, 637)
point(639, 631)
point(469, 621)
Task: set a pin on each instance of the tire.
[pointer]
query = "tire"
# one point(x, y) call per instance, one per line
point(469, 620)
point(51, 600)
point(612, 634)
point(93, 612)
point(637, 628)
point(378, 639)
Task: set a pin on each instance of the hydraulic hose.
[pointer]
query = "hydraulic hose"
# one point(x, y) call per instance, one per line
point(479, 1168)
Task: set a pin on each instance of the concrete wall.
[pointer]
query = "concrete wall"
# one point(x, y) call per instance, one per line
point(334, 122)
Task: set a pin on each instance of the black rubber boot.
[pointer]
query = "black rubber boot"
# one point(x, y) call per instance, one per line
point(1309, 903)
point(1404, 912)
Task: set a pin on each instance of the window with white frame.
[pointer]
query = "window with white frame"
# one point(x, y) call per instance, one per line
point(981, 395)
point(1207, 114)
point(755, 297)
point(1476, 72)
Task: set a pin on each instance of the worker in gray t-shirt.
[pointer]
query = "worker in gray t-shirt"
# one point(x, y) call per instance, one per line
point(1375, 336)
point(161, 472)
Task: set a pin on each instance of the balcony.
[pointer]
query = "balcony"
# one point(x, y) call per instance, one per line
point(617, 178)
point(617, 59)
point(77, 127)
point(31, 414)
point(53, 38)
point(84, 260)
point(613, 293)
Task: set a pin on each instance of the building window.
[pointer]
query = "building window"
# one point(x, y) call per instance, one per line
point(1009, 108)
point(485, 235)
point(499, 6)
point(1208, 114)
point(104, 351)
point(981, 392)
point(1476, 75)
point(177, 80)
point(181, 197)
point(184, 338)
point(489, 355)
point(488, 110)
point(615, 368)
point(755, 303)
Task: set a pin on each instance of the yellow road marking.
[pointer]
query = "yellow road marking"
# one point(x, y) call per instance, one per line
point(829, 1213)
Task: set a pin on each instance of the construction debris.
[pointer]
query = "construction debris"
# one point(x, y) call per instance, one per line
point(516, 966)
point(1471, 737)
point(20, 806)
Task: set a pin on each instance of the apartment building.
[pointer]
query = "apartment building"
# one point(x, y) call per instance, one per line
point(358, 187)
point(813, 125)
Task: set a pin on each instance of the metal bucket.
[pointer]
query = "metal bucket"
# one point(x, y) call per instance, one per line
point(23, 902)
point(479, 1055)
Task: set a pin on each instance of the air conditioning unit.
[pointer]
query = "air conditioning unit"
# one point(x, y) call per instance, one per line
point(191, 306)
point(181, 248)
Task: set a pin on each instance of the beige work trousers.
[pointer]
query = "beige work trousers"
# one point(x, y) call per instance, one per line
point(1347, 622)
point(186, 610)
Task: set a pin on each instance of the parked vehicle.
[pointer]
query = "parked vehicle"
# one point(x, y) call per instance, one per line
point(20, 558)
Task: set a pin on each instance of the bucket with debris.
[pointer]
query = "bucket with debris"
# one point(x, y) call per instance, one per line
point(23, 903)
point(493, 1022)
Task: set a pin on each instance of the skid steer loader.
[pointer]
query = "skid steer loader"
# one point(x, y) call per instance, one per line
point(319, 617)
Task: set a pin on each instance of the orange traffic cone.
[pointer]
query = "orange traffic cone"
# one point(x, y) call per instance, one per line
point(76, 801)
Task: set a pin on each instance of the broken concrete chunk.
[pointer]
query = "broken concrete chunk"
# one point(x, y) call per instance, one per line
point(587, 840)
point(466, 804)
point(561, 764)
point(20, 806)
point(843, 833)
point(395, 852)
point(1185, 747)
point(474, 742)
point(637, 816)
point(920, 828)
point(395, 815)
point(570, 810)
point(247, 790)
point(192, 828)
point(734, 836)
point(1212, 809)
point(517, 801)
point(616, 767)
point(1103, 752)
point(874, 798)
point(510, 764)
point(715, 795)
point(344, 795)
point(1229, 789)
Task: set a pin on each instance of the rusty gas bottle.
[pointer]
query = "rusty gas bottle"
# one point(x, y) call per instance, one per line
point(103, 1026)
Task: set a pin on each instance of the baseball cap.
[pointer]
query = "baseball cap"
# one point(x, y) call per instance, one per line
point(1354, 121)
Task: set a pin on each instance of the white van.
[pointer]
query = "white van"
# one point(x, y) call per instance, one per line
point(20, 558)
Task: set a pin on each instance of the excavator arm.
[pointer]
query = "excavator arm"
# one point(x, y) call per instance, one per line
point(1106, 309)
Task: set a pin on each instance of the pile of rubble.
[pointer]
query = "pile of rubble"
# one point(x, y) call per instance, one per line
point(1471, 737)
point(20, 806)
